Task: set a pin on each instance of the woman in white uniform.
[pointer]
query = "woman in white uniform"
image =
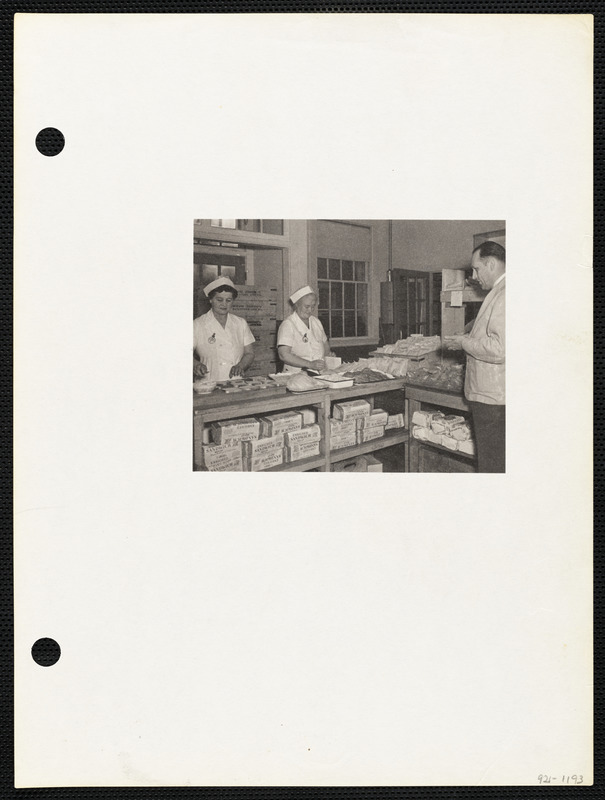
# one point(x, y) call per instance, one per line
point(222, 341)
point(301, 340)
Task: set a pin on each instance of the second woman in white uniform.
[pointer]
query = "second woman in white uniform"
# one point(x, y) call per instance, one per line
point(301, 341)
point(222, 341)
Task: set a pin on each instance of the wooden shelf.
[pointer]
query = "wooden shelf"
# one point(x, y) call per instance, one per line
point(302, 465)
point(210, 408)
point(397, 436)
point(416, 396)
point(442, 449)
point(469, 295)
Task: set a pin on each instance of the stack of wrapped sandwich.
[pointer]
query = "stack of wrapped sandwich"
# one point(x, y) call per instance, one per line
point(451, 431)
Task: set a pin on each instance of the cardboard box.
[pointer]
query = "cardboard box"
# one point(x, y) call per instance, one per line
point(351, 409)
point(263, 324)
point(310, 433)
point(309, 417)
point(251, 300)
point(395, 421)
point(252, 314)
point(453, 280)
point(264, 353)
point(265, 364)
point(222, 458)
point(258, 463)
point(350, 465)
point(283, 422)
point(369, 434)
point(262, 447)
point(339, 428)
point(346, 440)
point(265, 338)
point(372, 463)
point(378, 418)
point(231, 441)
point(261, 368)
point(296, 452)
point(268, 292)
point(235, 430)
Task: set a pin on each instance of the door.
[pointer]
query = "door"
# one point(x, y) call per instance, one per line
point(207, 267)
point(414, 307)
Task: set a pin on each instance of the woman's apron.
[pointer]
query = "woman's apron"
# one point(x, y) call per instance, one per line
point(306, 345)
point(221, 350)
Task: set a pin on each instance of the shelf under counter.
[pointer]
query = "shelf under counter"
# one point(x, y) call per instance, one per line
point(442, 449)
point(212, 408)
point(396, 436)
point(302, 465)
point(417, 395)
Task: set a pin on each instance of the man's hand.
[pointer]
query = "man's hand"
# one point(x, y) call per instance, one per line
point(236, 371)
point(453, 342)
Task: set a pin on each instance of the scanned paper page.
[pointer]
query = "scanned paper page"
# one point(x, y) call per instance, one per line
point(294, 629)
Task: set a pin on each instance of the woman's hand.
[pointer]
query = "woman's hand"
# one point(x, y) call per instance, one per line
point(199, 370)
point(317, 365)
point(245, 362)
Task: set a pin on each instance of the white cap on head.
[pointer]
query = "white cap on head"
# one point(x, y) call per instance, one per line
point(301, 293)
point(219, 282)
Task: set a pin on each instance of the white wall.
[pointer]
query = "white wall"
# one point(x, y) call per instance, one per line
point(433, 245)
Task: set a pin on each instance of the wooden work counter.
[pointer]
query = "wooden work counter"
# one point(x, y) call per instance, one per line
point(219, 406)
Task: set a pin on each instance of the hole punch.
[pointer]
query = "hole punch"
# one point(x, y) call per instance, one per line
point(50, 141)
point(46, 652)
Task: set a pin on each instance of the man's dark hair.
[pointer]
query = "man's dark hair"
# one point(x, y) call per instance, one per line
point(494, 249)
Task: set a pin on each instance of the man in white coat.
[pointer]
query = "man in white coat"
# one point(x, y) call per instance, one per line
point(484, 346)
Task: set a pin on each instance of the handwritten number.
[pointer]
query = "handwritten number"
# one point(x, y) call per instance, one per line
point(576, 779)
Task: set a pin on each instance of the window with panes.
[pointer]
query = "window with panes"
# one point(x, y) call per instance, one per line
point(272, 226)
point(343, 297)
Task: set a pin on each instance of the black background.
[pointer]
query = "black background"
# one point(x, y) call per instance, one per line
point(7, 790)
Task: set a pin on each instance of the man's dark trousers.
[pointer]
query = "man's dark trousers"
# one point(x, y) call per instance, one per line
point(489, 426)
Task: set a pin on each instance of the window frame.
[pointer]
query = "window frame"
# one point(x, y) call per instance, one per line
point(327, 314)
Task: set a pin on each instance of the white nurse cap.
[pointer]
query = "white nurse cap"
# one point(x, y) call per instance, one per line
point(219, 282)
point(301, 293)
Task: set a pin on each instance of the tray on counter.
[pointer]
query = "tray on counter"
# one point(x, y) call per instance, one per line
point(378, 354)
